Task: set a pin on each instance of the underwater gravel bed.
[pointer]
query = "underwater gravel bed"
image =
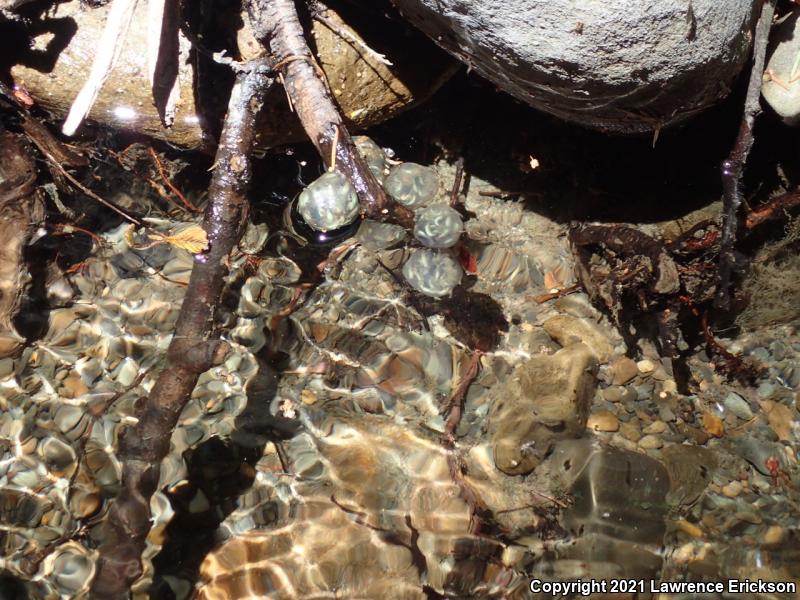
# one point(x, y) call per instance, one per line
point(315, 461)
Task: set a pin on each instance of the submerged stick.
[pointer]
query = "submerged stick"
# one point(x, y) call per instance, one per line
point(195, 346)
point(276, 23)
point(733, 166)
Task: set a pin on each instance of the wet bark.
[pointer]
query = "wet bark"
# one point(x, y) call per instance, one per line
point(195, 346)
point(275, 23)
point(733, 166)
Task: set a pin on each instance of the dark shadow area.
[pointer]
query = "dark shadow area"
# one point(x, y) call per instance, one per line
point(12, 588)
point(15, 37)
point(585, 174)
point(218, 472)
point(256, 425)
point(211, 26)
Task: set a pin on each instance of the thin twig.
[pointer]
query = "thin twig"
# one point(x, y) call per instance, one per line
point(455, 403)
point(733, 166)
point(347, 35)
point(457, 182)
point(161, 172)
point(500, 195)
point(333, 149)
point(454, 411)
point(542, 298)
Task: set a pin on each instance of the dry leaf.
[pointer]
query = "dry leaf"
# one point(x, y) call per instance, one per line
point(554, 279)
point(713, 425)
point(193, 239)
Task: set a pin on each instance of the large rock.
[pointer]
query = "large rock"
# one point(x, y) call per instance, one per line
point(625, 65)
point(547, 398)
point(368, 91)
point(781, 86)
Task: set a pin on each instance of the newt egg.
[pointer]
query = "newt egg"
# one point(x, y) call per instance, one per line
point(328, 203)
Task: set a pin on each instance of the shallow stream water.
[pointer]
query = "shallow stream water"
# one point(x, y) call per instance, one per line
point(316, 461)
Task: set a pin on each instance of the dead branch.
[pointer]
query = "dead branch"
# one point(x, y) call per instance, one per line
point(276, 23)
point(456, 190)
point(773, 209)
point(357, 42)
point(195, 346)
point(733, 166)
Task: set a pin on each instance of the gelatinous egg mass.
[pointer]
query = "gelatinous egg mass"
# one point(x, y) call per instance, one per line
point(432, 273)
point(372, 153)
point(328, 203)
point(412, 185)
point(438, 226)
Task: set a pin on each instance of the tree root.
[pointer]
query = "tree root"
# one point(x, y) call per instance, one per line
point(195, 346)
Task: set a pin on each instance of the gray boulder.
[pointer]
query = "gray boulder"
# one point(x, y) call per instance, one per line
point(781, 87)
point(621, 65)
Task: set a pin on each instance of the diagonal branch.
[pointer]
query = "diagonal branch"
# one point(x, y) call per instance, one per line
point(275, 22)
point(195, 346)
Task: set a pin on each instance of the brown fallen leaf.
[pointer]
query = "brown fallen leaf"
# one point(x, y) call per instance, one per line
point(193, 239)
point(554, 279)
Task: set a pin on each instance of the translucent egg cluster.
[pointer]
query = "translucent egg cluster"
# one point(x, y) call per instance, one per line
point(328, 203)
point(432, 273)
point(372, 154)
point(438, 226)
point(412, 185)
